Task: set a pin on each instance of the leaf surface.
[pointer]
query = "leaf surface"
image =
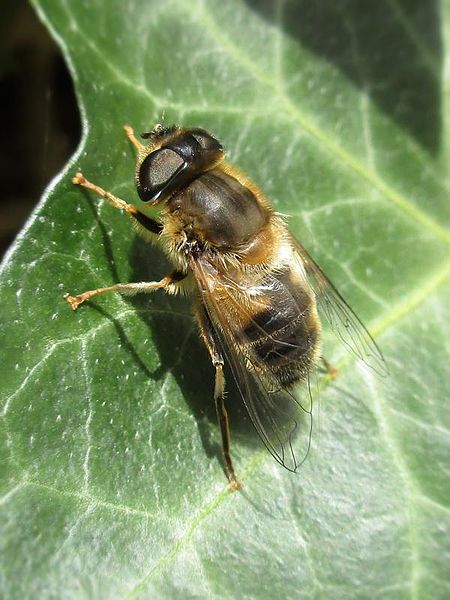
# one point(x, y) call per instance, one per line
point(111, 484)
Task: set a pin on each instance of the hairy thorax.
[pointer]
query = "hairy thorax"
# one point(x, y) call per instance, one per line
point(220, 214)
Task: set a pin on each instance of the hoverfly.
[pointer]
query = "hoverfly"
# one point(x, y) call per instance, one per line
point(257, 290)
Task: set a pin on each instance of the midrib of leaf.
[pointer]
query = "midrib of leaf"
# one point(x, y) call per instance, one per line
point(413, 300)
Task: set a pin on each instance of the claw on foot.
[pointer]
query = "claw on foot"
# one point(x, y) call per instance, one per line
point(74, 301)
point(79, 179)
point(234, 485)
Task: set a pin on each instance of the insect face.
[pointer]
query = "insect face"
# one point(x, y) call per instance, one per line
point(174, 160)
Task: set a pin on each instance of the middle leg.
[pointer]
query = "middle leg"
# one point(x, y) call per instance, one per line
point(167, 283)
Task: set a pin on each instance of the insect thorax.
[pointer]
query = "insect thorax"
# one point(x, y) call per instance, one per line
point(216, 210)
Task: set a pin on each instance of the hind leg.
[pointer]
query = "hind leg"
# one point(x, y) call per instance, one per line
point(208, 337)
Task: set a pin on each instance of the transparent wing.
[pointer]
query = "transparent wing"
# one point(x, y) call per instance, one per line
point(344, 322)
point(283, 422)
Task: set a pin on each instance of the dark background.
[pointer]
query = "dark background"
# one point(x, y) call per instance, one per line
point(40, 119)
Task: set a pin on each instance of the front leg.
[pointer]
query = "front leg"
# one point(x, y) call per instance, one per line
point(146, 222)
point(167, 283)
point(133, 139)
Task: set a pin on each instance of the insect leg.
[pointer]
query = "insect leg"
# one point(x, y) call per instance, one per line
point(208, 337)
point(133, 139)
point(132, 211)
point(222, 416)
point(167, 283)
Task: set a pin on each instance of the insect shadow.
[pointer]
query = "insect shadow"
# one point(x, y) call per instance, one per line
point(181, 352)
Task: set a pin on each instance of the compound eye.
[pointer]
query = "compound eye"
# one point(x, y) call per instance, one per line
point(206, 141)
point(156, 172)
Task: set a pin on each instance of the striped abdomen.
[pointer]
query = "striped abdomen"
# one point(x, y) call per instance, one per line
point(284, 335)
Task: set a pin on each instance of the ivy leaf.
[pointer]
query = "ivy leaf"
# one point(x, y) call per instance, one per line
point(111, 479)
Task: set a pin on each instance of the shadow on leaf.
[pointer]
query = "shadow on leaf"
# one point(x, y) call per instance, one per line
point(392, 50)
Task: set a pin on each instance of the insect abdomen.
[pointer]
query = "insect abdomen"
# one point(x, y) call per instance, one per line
point(285, 334)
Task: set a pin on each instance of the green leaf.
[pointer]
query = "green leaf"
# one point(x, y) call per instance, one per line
point(112, 483)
